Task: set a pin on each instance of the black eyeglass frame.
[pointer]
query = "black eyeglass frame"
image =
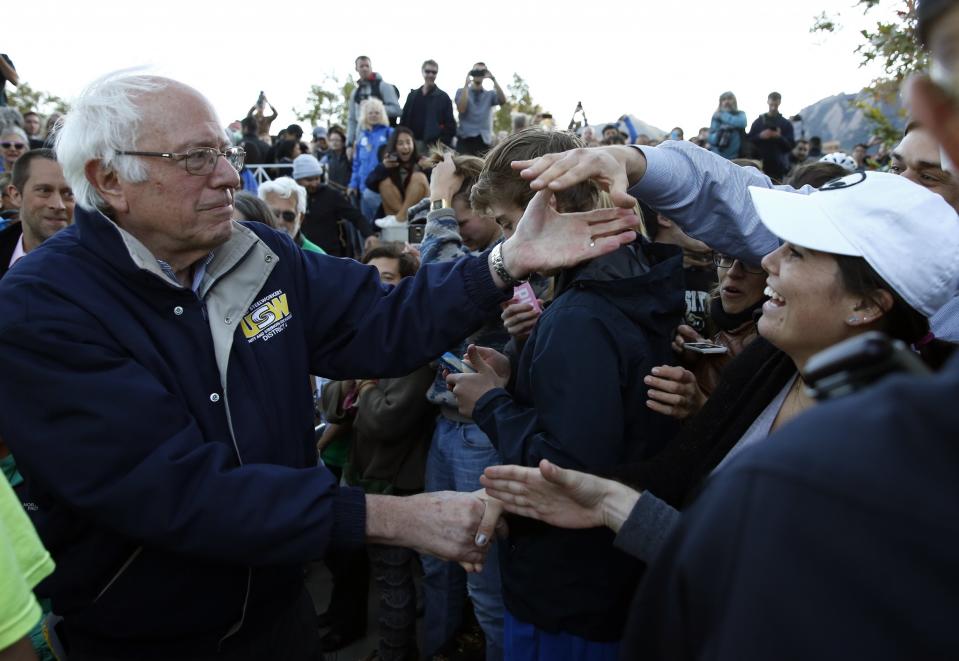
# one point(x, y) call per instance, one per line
point(719, 258)
point(235, 156)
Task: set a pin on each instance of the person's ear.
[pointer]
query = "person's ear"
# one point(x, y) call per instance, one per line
point(868, 311)
point(15, 196)
point(663, 221)
point(104, 180)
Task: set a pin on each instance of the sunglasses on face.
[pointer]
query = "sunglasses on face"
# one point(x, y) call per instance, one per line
point(12, 145)
point(287, 216)
point(429, 72)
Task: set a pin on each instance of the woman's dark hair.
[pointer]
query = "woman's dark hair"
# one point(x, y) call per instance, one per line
point(815, 174)
point(393, 250)
point(285, 150)
point(400, 175)
point(252, 208)
point(339, 131)
point(900, 321)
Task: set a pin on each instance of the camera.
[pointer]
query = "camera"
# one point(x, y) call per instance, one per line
point(393, 156)
point(416, 230)
point(477, 72)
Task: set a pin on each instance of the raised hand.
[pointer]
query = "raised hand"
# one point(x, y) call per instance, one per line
point(560, 497)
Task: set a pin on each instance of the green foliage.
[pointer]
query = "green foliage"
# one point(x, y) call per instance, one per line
point(518, 99)
point(894, 46)
point(328, 103)
point(24, 98)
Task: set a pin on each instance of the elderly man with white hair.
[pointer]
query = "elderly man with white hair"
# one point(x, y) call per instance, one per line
point(287, 201)
point(156, 356)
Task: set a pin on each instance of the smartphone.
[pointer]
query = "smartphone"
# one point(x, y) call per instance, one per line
point(705, 347)
point(455, 364)
point(524, 294)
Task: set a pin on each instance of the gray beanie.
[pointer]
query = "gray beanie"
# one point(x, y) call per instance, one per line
point(306, 165)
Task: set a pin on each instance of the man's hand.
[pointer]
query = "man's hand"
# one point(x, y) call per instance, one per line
point(469, 387)
point(444, 182)
point(766, 134)
point(445, 524)
point(615, 168)
point(560, 497)
point(673, 391)
point(545, 240)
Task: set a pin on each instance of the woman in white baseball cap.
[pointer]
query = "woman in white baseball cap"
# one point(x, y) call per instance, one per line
point(869, 251)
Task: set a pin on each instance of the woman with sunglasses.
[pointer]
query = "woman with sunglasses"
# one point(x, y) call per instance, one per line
point(14, 142)
point(735, 306)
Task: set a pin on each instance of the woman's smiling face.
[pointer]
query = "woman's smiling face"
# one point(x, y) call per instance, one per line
point(809, 307)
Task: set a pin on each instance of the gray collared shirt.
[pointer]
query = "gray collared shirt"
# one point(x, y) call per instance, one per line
point(478, 118)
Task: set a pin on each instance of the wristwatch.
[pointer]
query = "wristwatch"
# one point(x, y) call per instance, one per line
point(496, 260)
point(436, 205)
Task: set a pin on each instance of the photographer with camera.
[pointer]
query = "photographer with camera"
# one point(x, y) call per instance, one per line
point(475, 107)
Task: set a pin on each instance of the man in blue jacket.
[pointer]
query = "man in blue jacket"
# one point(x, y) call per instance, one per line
point(155, 386)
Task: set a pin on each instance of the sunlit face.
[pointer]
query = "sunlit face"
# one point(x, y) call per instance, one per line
point(404, 146)
point(336, 142)
point(14, 147)
point(46, 203)
point(285, 216)
point(374, 115)
point(809, 306)
point(507, 216)
point(477, 231)
point(175, 212)
point(917, 158)
point(363, 68)
point(389, 268)
point(738, 288)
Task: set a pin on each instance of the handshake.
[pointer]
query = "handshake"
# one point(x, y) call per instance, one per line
point(446, 524)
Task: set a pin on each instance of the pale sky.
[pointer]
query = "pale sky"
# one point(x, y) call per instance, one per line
point(665, 62)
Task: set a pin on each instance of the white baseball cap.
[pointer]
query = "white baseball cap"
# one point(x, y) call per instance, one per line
point(907, 234)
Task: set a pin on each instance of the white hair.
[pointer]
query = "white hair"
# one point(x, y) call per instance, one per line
point(104, 120)
point(284, 187)
point(13, 129)
point(365, 107)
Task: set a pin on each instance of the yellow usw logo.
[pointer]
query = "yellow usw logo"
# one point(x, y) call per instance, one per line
point(265, 316)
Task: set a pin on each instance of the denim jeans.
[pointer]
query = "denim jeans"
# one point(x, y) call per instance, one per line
point(369, 204)
point(457, 457)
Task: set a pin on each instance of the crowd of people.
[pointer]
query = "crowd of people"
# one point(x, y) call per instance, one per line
point(574, 401)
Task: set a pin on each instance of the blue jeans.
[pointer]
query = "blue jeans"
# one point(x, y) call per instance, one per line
point(457, 457)
point(525, 642)
point(369, 203)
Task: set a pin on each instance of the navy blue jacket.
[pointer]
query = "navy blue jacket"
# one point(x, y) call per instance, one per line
point(579, 400)
point(835, 539)
point(178, 503)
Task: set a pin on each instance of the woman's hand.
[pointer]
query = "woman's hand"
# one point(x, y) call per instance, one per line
point(685, 334)
point(560, 497)
point(673, 391)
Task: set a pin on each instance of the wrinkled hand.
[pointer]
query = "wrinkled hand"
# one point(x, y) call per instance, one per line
point(673, 391)
point(520, 318)
point(468, 388)
point(445, 524)
point(444, 182)
point(557, 496)
point(685, 334)
point(545, 240)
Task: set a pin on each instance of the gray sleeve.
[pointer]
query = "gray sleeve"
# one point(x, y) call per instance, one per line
point(647, 527)
point(708, 197)
point(390, 100)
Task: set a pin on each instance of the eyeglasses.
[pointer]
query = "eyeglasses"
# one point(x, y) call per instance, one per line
point(12, 145)
point(430, 72)
point(287, 216)
point(726, 262)
point(200, 161)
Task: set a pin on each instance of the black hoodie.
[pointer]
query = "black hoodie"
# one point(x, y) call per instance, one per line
point(579, 400)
